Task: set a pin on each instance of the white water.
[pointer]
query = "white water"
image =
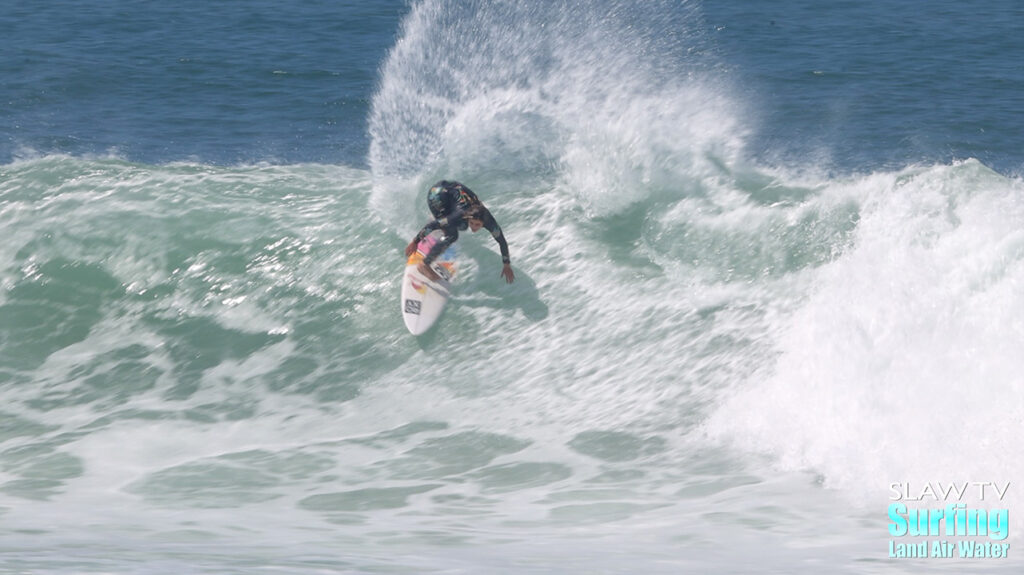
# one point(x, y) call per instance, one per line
point(703, 364)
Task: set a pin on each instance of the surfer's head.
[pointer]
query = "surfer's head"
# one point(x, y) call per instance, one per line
point(439, 202)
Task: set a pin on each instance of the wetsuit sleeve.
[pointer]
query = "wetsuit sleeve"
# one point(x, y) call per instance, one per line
point(431, 226)
point(492, 226)
point(451, 220)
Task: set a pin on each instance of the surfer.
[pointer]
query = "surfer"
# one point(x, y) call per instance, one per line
point(455, 207)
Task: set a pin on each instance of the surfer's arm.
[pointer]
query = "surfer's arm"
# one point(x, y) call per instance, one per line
point(502, 245)
point(492, 226)
point(506, 268)
point(448, 221)
point(431, 226)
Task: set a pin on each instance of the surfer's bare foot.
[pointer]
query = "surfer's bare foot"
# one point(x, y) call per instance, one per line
point(429, 273)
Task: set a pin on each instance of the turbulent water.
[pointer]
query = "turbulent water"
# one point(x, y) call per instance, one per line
point(765, 268)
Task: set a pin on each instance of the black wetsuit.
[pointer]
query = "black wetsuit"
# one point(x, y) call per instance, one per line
point(452, 204)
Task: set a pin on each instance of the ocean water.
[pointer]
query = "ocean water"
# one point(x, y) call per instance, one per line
point(769, 262)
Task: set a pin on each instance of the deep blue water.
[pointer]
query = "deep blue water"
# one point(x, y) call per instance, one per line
point(853, 86)
point(222, 82)
point(879, 84)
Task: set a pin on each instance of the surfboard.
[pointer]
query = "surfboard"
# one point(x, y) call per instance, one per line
point(423, 299)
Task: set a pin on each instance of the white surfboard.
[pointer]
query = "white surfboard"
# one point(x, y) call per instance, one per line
point(423, 300)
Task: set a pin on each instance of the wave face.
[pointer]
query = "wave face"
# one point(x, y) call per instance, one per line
point(705, 364)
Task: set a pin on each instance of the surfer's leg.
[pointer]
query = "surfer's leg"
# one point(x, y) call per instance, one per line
point(428, 272)
point(449, 237)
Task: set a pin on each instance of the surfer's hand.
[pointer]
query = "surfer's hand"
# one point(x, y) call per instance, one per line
point(409, 249)
point(507, 273)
